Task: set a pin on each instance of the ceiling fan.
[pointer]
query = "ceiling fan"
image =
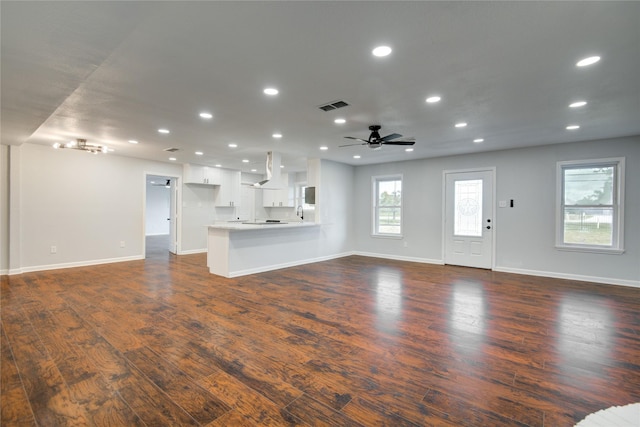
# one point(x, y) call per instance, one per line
point(375, 141)
point(157, 184)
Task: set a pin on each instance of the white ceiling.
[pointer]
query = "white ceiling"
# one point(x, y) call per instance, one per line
point(114, 71)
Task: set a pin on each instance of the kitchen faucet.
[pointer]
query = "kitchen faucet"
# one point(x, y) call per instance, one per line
point(300, 212)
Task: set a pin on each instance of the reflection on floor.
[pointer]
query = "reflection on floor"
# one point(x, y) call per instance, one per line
point(353, 341)
point(157, 246)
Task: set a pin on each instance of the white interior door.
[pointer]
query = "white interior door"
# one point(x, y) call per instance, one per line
point(468, 218)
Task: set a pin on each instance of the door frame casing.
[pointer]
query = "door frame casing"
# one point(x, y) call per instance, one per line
point(175, 215)
point(445, 172)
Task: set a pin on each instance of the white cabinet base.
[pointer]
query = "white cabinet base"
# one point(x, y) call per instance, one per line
point(238, 251)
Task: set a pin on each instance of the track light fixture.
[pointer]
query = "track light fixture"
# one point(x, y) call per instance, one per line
point(81, 144)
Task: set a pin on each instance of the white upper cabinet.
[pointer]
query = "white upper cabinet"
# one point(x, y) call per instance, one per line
point(228, 194)
point(196, 174)
point(282, 197)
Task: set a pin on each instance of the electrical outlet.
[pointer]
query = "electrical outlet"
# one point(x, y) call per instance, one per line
point(405, 244)
point(54, 249)
point(122, 243)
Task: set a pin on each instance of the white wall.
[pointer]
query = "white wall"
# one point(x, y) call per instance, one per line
point(83, 204)
point(335, 205)
point(198, 210)
point(4, 209)
point(157, 210)
point(86, 205)
point(525, 234)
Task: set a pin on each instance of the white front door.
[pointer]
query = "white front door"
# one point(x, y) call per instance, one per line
point(468, 220)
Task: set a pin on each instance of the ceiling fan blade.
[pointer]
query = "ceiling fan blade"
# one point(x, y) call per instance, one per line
point(357, 139)
point(399, 142)
point(349, 145)
point(391, 136)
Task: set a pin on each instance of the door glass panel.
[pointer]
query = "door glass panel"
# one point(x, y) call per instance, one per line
point(468, 208)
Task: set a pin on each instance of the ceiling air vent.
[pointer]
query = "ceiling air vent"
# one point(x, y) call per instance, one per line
point(171, 150)
point(333, 105)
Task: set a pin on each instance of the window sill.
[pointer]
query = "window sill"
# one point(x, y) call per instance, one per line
point(590, 249)
point(388, 236)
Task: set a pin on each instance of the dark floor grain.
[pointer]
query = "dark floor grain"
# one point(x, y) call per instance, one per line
point(354, 341)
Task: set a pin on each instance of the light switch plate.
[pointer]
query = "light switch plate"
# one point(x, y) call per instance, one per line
point(502, 204)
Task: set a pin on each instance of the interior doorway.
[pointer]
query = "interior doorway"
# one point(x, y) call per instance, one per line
point(469, 218)
point(161, 215)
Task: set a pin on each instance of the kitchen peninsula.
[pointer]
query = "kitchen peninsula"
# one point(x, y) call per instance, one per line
point(237, 249)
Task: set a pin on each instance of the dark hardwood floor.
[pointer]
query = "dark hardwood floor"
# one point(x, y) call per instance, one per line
point(350, 342)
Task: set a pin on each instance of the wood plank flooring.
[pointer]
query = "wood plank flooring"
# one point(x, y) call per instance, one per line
point(350, 342)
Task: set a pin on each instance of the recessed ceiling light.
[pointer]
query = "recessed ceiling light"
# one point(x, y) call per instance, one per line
point(324, 148)
point(163, 131)
point(578, 104)
point(573, 127)
point(356, 157)
point(408, 150)
point(218, 165)
point(339, 121)
point(254, 170)
point(133, 141)
point(271, 91)
point(433, 99)
point(281, 166)
point(199, 153)
point(206, 115)
point(245, 161)
point(587, 61)
point(232, 145)
point(173, 159)
point(461, 125)
point(381, 51)
point(277, 135)
point(478, 140)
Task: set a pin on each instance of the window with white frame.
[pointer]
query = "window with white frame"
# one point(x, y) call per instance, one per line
point(590, 205)
point(387, 205)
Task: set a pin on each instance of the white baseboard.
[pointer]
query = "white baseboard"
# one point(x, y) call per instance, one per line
point(594, 279)
point(400, 258)
point(539, 273)
point(287, 265)
point(193, 251)
point(75, 264)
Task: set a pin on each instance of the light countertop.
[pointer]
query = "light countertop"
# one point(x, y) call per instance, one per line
point(260, 225)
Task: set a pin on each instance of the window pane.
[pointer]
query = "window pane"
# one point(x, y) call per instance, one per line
point(588, 186)
point(468, 208)
point(389, 193)
point(588, 226)
point(388, 205)
point(389, 220)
